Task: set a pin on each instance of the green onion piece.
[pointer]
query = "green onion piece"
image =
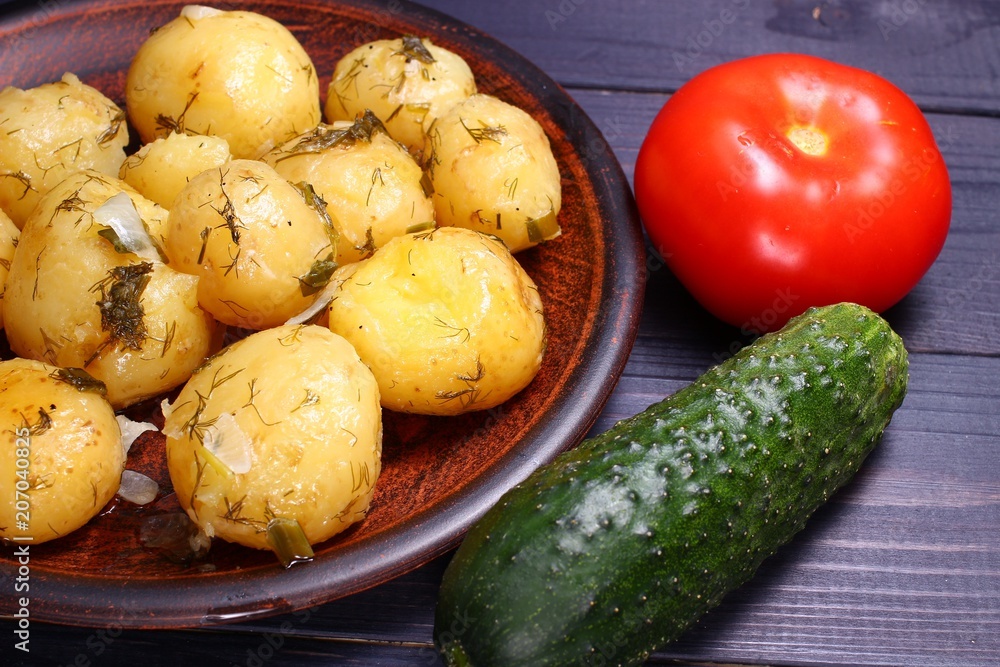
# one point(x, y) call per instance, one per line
point(288, 541)
point(421, 227)
point(318, 276)
point(427, 184)
point(414, 49)
point(543, 228)
point(419, 109)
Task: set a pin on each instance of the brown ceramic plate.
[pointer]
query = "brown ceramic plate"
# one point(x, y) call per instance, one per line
point(439, 474)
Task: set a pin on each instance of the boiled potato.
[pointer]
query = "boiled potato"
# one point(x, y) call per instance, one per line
point(407, 82)
point(75, 299)
point(261, 247)
point(235, 74)
point(447, 320)
point(48, 133)
point(492, 170)
point(284, 424)
point(8, 242)
point(160, 170)
point(61, 454)
point(371, 185)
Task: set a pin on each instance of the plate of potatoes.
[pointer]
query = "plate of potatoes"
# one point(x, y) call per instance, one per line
point(292, 293)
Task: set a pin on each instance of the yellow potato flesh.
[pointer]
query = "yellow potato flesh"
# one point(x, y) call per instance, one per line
point(250, 236)
point(371, 188)
point(51, 131)
point(61, 455)
point(307, 416)
point(237, 75)
point(404, 92)
point(50, 305)
point(160, 170)
point(8, 242)
point(493, 171)
point(447, 320)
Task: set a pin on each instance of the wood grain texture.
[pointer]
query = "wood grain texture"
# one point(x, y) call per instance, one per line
point(903, 566)
point(941, 52)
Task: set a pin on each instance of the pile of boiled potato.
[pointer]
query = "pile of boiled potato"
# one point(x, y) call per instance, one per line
point(295, 270)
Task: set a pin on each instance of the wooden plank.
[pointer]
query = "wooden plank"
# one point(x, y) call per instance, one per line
point(943, 53)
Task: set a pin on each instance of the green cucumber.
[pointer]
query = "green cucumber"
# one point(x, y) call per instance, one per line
point(619, 545)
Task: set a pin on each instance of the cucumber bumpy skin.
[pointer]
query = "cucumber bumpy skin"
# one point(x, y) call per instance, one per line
point(620, 544)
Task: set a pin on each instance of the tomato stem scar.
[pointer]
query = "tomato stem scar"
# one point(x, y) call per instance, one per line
point(809, 140)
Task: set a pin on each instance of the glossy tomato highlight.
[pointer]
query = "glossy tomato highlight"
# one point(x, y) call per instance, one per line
point(778, 182)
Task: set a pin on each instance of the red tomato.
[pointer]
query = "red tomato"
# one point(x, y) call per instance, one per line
point(778, 182)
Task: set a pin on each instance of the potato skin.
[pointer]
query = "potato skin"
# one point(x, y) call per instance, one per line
point(309, 412)
point(447, 320)
point(249, 235)
point(50, 132)
point(238, 75)
point(160, 170)
point(493, 170)
point(371, 186)
point(71, 446)
point(51, 310)
point(9, 234)
point(405, 91)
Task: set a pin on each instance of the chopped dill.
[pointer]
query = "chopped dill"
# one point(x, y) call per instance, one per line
point(485, 132)
point(377, 179)
point(23, 179)
point(112, 130)
point(168, 124)
point(478, 375)
point(511, 186)
point(204, 243)
point(324, 136)
point(311, 399)
point(363, 477)
point(471, 394)
point(254, 392)
point(368, 248)
point(234, 513)
point(292, 337)
point(121, 309)
point(228, 212)
point(456, 332)
point(44, 423)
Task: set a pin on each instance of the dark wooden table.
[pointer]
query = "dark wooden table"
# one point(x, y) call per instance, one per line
point(903, 566)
